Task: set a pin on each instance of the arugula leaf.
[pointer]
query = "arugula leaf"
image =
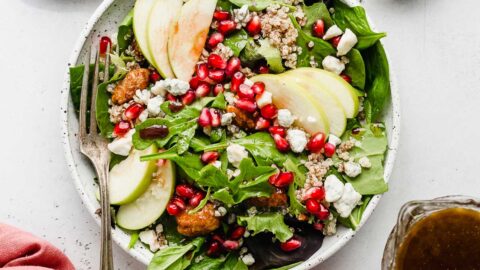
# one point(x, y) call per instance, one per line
point(254, 5)
point(125, 33)
point(267, 222)
point(355, 217)
point(378, 81)
point(185, 136)
point(320, 50)
point(356, 68)
point(234, 263)
point(219, 102)
point(262, 147)
point(171, 257)
point(237, 41)
point(217, 135)
point(133, 239)
point(355, 19)
point(208, 263)
point(188, 162)
point(296, 208)
point(317, 11)
point(211, 176)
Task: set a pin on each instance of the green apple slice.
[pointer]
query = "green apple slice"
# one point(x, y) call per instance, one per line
point(163, 17)
point(287, 94)
point(141, 15)
point(151, 205)
point(187, 38)
point(331, 105)
point(131, 177)
point(346, 94)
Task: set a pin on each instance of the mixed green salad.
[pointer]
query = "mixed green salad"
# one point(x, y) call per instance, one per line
point(242, 132)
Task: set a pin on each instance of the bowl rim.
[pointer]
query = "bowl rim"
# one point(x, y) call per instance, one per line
point(315, 259)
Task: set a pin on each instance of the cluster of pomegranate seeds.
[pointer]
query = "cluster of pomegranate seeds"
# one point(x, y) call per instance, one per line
point(184, 192)
point(133, 111)
point(313, 203)
point(103, 45)
point(318, 28)
point(291, 245)
point(318, 142)
point(281, 179)
point(217, 244)
point(209, 117)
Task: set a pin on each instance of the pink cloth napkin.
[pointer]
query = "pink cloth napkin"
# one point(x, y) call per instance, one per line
point(20, 250)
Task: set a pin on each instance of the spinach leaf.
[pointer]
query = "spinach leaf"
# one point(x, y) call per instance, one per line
point(317, 11)
point(211, 176)
point(185, 136)
point(208, 263)
point(232, 262)
point(355, 19)
point(171, 257)
point(219, 102)
point(225, 5)
point(103, 116)
point(296, 208)
point(254, 5)
point(76, 77)
point(355, 217)
point(271, 55)
point(170, 230)
point(356, 68)
point(320, 49)
point(188, 162)
point(262, 147)
point(237, 41)
point(267, 222)
point(377, 84)
point(125, 33)
point(140, 143)
point(250, 55)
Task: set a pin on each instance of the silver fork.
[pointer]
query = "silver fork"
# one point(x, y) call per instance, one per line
point(94, 146)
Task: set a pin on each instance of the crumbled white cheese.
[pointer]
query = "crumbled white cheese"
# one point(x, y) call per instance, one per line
point(142, 96)
point(248, 259)
point(365, 162)
point(230, 98)
point(217, 164)
point(143, 116)
point(332, 32)
point(285, 118)
point(175, 87)
point(330, 227)
point(149, 237)
point(333, 64)
point(264, 99)
point(333, 188)
point(236, 153)
point(350, 198)
point(297, 139)
point(227, 119)
point(122, 145)
point(334, 139)
point(352, 169)
point(347, 42)
point(159, 228)
point(153, 105)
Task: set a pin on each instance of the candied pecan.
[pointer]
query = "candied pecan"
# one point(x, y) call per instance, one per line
point(277, 199)
point(242, 119)
point(134, 80)
point(200, 223)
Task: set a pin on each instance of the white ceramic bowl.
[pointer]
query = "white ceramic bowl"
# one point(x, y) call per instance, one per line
point(105, 20)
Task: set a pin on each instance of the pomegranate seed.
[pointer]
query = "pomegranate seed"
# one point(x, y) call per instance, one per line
point(221, 15)
point(196, 199)
point(226, 26)
point(253, 26)
point(133, 111)
point(277, 130)
point(258, 88)
point(218, 238)
point(246, 105)
point(172, 209)
point(154, 76)
point(179, 203)
point(185, 191)
point(213, 248)
point(216, 118)
point(233, 65)
point(281, 143)
point(312, 206)
point(205, 118)
point(189, 97)
point(269, 111)
point(262, 124)
point(217, 75)
point(104, 42)
point(335, 41)
point(209, 157)
point(281, 179)
point(316, 193)
point(231, 245)
point(329, 149)
point(194, 82)
point(316, 142)
point(346, 78)
point(318, 28)
point(215, 39)
point(291, 245)
point(171, 98)
point(323, 213)
point(237, 79)
point(217, 89)
point(237, 233)
point(175, 106)
point(121, 128)
point(245, 92)
point(202, 71)
point(263, 70)
point(216, 61)
point(318, 226)
point(203, 90)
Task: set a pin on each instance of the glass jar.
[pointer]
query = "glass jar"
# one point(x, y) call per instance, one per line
point(413, 211)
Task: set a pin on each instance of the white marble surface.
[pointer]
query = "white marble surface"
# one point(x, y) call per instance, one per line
point(435, 51)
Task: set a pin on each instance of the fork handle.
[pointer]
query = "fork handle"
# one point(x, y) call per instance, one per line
point(106, 258)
